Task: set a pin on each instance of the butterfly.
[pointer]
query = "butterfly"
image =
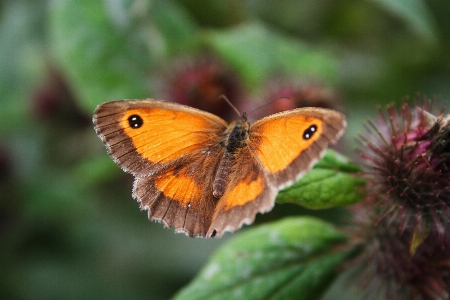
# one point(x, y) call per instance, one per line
point(203, 176)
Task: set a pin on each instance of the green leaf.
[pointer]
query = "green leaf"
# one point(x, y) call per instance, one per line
point(22, 62)
point(332, 182)
point(259, 53)
point(108, 48)
point(100, 49)
point(290, 259)
point(179, 31)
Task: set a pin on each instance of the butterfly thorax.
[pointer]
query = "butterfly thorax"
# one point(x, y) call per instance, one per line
point(235, 137)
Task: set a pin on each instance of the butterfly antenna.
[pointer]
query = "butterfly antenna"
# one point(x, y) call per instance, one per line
point(270, 102)
point(223, 97)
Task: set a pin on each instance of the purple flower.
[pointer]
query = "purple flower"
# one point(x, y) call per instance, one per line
point(404, 222)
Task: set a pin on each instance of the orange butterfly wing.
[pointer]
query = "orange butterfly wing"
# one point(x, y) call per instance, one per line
point(281, 148)
point(181, 195)
point(169, 131)
point(289, 143)
point(173, 152)
point(248, 192)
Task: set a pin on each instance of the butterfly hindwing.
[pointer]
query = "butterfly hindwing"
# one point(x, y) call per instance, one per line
point(247, 194)
point(181, 196)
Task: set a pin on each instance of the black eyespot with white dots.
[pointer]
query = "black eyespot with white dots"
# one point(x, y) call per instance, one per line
point(308, 133)
point(135, 121)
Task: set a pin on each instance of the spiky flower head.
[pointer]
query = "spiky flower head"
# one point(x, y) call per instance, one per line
point(404, 232)
point(407, 156)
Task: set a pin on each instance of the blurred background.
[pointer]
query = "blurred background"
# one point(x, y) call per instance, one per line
point(69, 228)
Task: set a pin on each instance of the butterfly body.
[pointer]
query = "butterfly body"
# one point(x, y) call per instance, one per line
point(203, 176)
point(236, 137)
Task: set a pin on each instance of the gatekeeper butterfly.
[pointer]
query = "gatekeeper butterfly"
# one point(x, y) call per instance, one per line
point(196, 172)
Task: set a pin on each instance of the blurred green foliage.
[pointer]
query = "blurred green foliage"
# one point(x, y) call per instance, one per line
point(68, 226)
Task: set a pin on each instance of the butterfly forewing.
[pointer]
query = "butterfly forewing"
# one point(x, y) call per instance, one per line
point(288, 144)
point(145, 136)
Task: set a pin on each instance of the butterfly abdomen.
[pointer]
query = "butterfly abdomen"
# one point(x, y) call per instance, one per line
point(223, 172)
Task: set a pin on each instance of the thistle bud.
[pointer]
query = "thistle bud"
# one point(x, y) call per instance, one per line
point(404, 221)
